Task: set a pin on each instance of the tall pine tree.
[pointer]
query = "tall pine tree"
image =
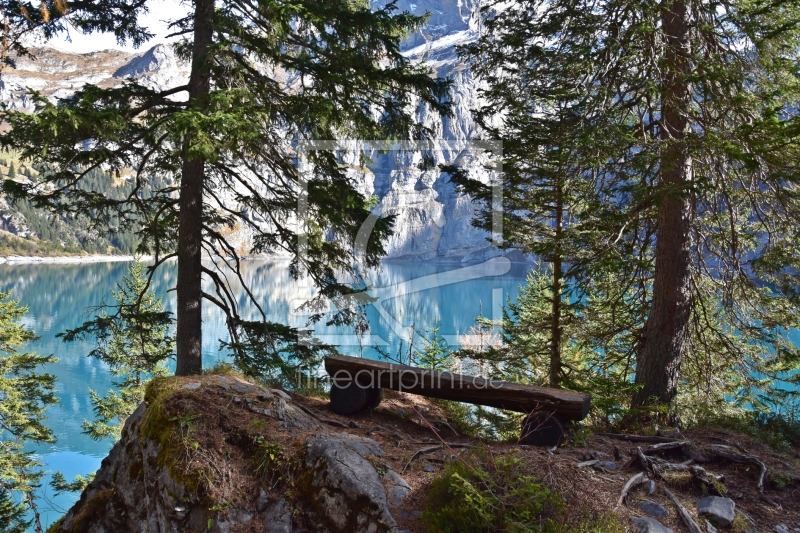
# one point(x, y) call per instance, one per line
point(685, 130)
point(265, 77)
point(25, 392)
point(134, 342)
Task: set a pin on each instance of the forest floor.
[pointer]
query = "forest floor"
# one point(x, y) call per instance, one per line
point(401, 432)
point(231, 438)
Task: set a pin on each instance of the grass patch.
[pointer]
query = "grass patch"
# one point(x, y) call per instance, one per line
point(223, 368)
point(481, 492)
point(270, 458)
point(781, 433)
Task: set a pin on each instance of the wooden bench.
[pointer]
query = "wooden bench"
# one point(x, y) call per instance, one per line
point(357, 385)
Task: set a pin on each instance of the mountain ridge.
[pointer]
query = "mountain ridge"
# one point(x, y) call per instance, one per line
point(433, 219)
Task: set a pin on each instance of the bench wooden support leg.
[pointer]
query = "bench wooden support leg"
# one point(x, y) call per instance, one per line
point(352, 399)
point(542, 429)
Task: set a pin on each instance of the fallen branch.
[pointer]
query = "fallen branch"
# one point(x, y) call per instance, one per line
point(334, 423)
point(393, 434)
point(631, 484)
point(439, 447)
point(685, 516)
point(328, 421)
point(677, 467)
point(448, 426)
point(724, 451)
point(420, 452)
point(587, 463)
point(308, 411)
point(645, 462)
point(639, 438)
point(667, 446)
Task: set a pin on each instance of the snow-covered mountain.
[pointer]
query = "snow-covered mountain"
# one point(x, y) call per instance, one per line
point(432, 219)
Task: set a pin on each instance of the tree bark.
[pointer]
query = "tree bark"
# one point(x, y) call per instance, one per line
point(190, 234)
point(659, 356)
point(555, 322)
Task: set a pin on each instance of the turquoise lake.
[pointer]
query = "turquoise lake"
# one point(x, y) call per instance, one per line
point(61, 296)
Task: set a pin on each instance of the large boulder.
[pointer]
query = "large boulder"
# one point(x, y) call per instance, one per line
point(188, 461)
point(345, 487)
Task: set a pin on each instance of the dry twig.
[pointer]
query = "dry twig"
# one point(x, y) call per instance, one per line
point(691, 525)
point(631, 484)
point(438, 447)
point(667, 446)
point(639, 438)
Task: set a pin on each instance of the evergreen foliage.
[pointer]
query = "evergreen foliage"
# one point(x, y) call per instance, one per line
point(25, 392)
point(673, 128)
point(278, 355)
point(596, 355)
point(479, 493)
point(435, 352)
point(59, 483)
point(12, 514)
point(265, 78)
point(134, 342)
point(53, 234)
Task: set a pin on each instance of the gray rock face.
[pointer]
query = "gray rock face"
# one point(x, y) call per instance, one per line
point(342, 474)
point(278, 518)
point(653, 509)
point(720, 511)
point(235, 516)
point(262, 502)
point(398, 488)
point(159, 509)
point(649, 525)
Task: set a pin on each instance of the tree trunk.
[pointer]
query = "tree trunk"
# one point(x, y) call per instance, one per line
point(190, 233)
point(659, 356)
point(555, 322)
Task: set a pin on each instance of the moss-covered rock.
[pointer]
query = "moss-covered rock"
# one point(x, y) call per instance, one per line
point(196, 455)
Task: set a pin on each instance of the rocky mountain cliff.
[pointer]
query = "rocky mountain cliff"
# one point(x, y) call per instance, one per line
point(433, 220)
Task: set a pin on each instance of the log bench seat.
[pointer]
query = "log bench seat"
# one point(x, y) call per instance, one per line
point(357, 385)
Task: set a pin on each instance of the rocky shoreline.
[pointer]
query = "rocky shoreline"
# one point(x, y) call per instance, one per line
point(23, 259)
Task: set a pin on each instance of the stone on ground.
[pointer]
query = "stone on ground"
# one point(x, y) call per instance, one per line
point(653, 509)
point(649, 525)
point(720, 511)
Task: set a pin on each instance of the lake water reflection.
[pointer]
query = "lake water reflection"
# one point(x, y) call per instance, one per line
point(61, 296)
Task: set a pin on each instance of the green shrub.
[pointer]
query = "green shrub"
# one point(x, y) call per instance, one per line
point(781, 432)
point(482, 493)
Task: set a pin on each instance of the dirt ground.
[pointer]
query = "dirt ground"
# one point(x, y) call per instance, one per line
point(226, 432)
